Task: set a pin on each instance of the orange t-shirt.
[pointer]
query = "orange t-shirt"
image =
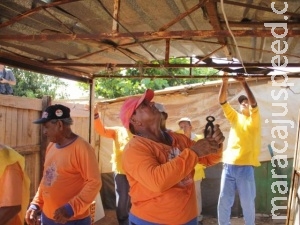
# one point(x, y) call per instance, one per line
point(161, 182)
point(11, 186)
point(71, 175)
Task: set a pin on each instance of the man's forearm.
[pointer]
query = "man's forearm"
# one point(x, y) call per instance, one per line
point(223, 92)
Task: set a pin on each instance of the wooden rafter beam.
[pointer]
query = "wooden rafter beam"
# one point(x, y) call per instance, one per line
point(213, 17)
point(259, 25)
point(209, 55)
point(191, 76)
point(150, 65)
point(181, 16)
point(40, 67)
point(211, 8)
point(115, 27)
point(167, 53)
point(149, 35)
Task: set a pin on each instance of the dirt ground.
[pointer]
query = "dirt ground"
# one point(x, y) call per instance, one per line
point(110, 219)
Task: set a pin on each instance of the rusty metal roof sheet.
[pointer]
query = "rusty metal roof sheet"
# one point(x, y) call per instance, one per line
point(76, 39)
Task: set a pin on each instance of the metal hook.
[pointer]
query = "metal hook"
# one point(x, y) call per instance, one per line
point(209, 128)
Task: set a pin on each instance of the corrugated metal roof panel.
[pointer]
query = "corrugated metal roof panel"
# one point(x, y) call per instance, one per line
point(85, 35)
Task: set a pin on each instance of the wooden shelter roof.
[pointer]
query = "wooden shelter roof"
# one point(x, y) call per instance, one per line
point(76, 39)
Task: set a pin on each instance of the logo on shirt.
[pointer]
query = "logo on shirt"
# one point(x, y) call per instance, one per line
point(50, 175)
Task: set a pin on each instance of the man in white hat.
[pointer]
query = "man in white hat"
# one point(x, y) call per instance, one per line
point(185, 125)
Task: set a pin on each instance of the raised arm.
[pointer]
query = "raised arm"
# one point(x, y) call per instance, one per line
point(100, 128)
point(223, 90)
point(251, 98)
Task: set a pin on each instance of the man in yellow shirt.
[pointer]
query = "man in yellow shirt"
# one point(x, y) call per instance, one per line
point(120, 136)
point(14, 187)
point(241, 154)
point(185, 125)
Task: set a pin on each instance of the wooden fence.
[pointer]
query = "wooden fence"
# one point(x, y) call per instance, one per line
point(18, 131)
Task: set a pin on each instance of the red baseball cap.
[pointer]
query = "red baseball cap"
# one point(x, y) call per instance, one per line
point(131, 104)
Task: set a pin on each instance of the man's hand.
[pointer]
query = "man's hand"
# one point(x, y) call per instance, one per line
point(61, 215)
point(225, 78)
point(217, 135)
point(31, 217)
point(100, 106)
point(205, 147)
point(3, 81)
point(240, 78)
point(209, 145)
point(96, 109)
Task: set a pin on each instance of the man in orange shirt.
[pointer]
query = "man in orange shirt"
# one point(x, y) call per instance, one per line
point(71, 178)
point(14, 187)
point(159, 165)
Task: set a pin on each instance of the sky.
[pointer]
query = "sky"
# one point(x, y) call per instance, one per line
point(73, 90)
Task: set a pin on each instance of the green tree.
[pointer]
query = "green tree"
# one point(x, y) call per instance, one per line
point(118, 87)
point(36, 85)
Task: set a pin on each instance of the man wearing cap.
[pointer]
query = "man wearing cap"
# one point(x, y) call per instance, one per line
point(120, 136)
point(241, 154)
point(71, 178)
point(159, 165)
point(185, 125)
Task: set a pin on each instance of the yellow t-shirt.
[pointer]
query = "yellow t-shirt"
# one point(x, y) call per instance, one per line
point(120, 136)
point(244, 142)
point(199, 168)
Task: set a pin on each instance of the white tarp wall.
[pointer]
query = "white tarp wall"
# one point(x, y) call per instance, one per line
point(278, 102)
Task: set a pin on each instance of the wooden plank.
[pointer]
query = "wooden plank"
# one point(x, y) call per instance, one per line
point(293, 203)
point(46, 101)
point(8, 124)
point(24, 127)
point(14, 127)
point(80, 127)
point(21, 102)
point(2, 123)
point(34, 131)
point(20, 134)
point(28, 124)
point(85, 128)
point(293, 206)
point(27, 149)
point(31, 166)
